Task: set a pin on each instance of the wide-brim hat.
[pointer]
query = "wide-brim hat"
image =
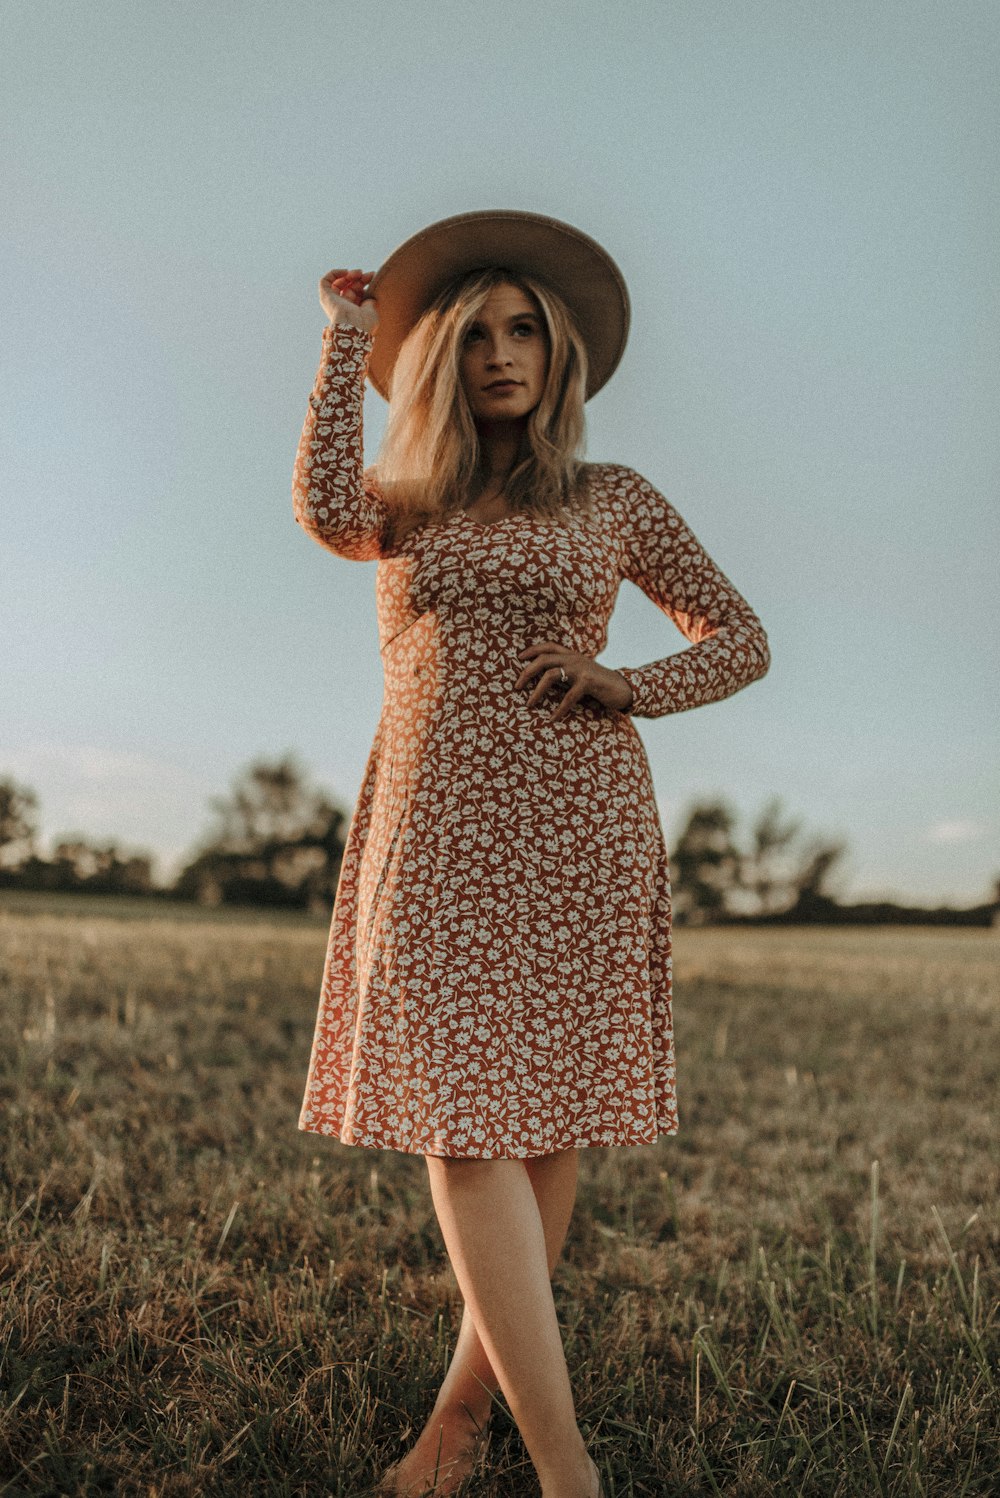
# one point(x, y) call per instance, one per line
point(569, 261)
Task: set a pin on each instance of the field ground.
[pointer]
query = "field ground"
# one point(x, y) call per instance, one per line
point(796, 1295)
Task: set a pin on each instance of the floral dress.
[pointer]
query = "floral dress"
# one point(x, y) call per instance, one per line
point(497, 981)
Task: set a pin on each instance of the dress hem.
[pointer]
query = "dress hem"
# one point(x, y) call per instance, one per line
point(661, 1133)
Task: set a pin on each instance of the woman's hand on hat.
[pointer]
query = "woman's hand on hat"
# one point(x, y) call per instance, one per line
point(343, 295)
point(585, 678)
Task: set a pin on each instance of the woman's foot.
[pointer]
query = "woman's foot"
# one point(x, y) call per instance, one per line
point(442, 1457)
point(595, 1488)
point(586, 1485)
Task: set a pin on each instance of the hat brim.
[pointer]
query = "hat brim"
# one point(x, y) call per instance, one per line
point(574, 265)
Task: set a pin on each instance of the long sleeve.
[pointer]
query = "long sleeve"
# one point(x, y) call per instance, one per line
point(333, 498)
point(729, 648)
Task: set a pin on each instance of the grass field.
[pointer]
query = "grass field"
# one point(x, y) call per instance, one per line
point(796, 1295)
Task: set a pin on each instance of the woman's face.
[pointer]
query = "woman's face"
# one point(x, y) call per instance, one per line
point(504, 359)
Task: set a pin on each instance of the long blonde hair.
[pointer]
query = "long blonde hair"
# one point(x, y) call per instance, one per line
point(430, 454)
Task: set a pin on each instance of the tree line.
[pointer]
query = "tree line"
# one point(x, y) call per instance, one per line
point(274, 840)
point(277, 840)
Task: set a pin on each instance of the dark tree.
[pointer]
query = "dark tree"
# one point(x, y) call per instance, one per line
point(77, 865)
point(99, 868)
point(18, 824)
point(774, 874)
point(769, 869)
point(277, 841)
point(816, 863)
point(270, 805)
point(705, 864)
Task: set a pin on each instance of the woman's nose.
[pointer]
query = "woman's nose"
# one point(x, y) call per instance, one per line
point(498, 354)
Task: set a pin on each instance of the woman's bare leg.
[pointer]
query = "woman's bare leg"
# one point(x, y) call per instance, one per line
point(465, 1398)
point(553, 1180)
point(493, 1231)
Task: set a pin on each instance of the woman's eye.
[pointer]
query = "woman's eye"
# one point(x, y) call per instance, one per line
point(524, 327)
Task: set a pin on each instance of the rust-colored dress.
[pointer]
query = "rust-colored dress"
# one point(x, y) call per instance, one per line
point(497, 981)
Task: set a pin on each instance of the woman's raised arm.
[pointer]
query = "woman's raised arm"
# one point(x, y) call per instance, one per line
point(332, 498)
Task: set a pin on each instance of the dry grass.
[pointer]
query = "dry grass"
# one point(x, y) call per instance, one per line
point(796, 1295)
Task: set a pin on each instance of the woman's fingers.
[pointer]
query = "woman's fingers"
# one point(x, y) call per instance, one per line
point(548, 679)
point(549, 664)
point(352, 285)
point(344, 297)
point(543, 645)
point(362, 277)
point(573, 694)
point(539, 656)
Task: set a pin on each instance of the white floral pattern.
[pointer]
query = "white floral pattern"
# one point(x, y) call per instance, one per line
point(497, 981)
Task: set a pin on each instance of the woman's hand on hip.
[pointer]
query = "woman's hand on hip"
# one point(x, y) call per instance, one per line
point(586, 678)
point(343, 295)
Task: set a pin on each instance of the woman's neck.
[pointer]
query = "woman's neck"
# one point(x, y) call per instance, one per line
point(499, 448)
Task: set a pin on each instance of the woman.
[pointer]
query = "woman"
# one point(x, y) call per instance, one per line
point(496, 993)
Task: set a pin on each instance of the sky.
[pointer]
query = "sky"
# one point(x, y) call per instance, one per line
point(802, 200)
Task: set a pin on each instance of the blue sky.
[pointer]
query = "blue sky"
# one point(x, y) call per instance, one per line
point(803, 201)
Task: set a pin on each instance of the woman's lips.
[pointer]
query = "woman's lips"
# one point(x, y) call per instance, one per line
point(504, 385)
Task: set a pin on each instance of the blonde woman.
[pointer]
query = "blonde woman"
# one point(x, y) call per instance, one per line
point(497, 986)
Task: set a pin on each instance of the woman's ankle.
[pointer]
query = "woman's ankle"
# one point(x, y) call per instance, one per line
point(575, 1478)
point(461, 1415)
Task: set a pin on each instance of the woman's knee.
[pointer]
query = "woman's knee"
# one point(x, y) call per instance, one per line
point(460, 1168)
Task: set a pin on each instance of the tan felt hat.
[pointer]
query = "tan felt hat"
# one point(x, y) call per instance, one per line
point(575, 266)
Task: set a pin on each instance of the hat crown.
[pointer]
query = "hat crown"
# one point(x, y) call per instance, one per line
point(563, 257)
